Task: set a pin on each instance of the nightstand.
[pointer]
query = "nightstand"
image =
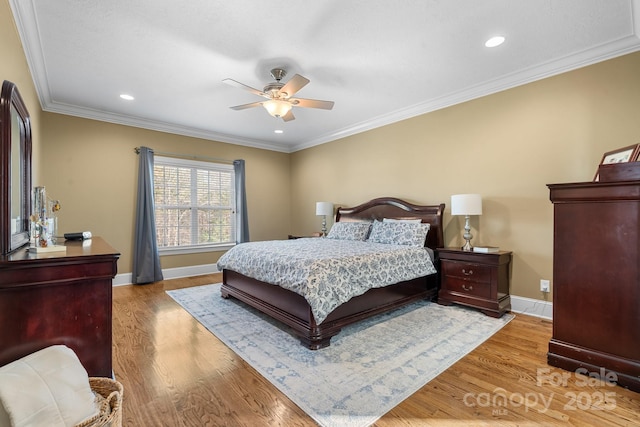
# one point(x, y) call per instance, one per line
point(474, 279)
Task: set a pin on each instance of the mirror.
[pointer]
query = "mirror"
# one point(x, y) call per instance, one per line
point(15, 170)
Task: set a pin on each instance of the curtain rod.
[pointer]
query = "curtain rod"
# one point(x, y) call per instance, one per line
point(187, 156)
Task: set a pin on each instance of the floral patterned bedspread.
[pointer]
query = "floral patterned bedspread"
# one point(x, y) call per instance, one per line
point(327, 272)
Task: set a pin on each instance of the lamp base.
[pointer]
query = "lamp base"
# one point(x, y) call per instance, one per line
point(467, 235)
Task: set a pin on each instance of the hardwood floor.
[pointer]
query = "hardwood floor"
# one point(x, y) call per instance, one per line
point(176, 373)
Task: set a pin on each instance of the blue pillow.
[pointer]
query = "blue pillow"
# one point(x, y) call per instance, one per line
point(349, 231)
point(399, 233)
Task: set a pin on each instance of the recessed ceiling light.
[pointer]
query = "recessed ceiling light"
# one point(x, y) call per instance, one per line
point(278, 131)
point(127, 97)
point(494, 41)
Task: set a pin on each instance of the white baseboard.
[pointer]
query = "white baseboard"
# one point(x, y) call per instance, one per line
point(522, 305)
point(171, 273)
point(532, 307)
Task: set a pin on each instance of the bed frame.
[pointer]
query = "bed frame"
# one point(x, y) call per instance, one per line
point(294, 311)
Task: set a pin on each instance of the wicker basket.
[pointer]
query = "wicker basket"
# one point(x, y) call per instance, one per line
point(109, 398)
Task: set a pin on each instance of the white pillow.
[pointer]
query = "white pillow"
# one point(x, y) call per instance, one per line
point(399, 233)
point(47, 388)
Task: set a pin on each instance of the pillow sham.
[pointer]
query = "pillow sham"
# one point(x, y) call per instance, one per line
point(411, 221)
point(349, 231)
point(399, 233)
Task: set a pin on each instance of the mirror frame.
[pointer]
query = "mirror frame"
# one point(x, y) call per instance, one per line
point(10, 99)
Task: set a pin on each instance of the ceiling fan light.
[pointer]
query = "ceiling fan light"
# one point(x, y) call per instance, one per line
point(277, 107)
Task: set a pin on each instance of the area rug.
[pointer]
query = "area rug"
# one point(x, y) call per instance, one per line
point(369, 367)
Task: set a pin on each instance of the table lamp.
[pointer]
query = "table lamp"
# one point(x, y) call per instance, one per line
point(467, 205)
point(324, 209)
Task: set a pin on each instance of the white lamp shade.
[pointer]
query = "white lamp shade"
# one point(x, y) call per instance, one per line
point(276, 107)
point(466, 204)
point(324, 208)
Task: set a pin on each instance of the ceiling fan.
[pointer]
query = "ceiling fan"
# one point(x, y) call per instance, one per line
point(280, 96)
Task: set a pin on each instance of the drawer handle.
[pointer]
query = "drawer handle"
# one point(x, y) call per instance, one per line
point(467, 288)
point(467, 273)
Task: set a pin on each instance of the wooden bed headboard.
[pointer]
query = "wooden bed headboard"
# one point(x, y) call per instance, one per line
point(390, 207)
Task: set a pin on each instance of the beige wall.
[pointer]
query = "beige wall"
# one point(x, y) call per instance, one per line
point(506, 147)
point(91, 167)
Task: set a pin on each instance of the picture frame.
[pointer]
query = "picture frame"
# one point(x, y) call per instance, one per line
point(621, 155)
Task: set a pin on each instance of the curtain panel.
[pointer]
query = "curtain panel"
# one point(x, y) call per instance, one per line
point(242, 218)
point(146, 259)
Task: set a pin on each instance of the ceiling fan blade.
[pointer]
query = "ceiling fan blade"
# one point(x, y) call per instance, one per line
point(312, 103)
point(234, 83)
point(289, 116)
point(296, 83)
point(245, 106)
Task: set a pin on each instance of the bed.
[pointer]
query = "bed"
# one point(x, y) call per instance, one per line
point(294, 310)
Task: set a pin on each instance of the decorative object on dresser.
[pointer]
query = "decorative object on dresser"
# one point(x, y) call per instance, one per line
point(59, 298)
point(467, 205)
point(324, 209)
point(479, 280)
point(615, 163)
point(44, 223)
point(80, 235)
point(295, 310)
point(596, 276)
point(621, 155)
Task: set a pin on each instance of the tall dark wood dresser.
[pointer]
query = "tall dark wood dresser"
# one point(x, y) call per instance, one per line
point(596, 279)
point(59, 298)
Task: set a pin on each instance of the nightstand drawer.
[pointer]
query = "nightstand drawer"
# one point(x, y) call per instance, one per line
point(467, 271)
point(471, 288)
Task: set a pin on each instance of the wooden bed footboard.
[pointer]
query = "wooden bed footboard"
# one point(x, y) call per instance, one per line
point(294, 311)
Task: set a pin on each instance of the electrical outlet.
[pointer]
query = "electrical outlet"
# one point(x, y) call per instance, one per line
point(544, 285)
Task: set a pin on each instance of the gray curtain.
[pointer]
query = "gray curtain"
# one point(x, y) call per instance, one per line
point(146, 260)
point(242, 219)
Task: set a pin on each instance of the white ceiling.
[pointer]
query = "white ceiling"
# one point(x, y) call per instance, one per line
point(380, 61)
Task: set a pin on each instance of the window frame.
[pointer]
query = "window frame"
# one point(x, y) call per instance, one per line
point(198, 165)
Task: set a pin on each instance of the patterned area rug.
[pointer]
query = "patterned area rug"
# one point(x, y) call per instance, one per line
point(353, 382)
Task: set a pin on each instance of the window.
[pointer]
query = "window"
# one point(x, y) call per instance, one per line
point(194, 204)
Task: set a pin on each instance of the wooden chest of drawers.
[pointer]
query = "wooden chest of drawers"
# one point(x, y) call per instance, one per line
point(476, 280)
point(59, 298)
point(596, 274)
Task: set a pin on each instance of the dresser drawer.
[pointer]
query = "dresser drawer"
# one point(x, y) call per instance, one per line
point(467, 271)
point(468, 287)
